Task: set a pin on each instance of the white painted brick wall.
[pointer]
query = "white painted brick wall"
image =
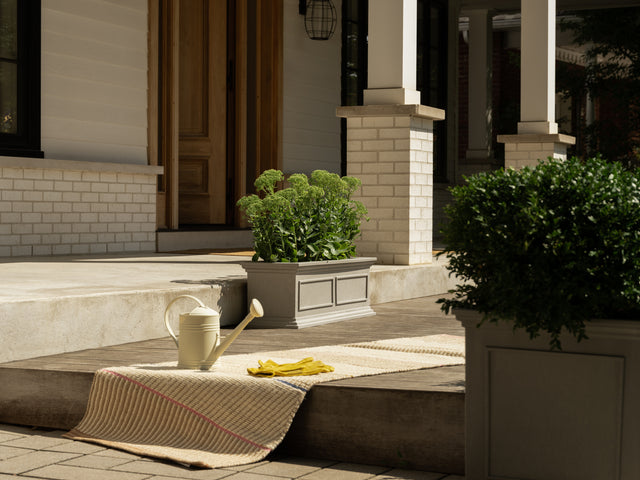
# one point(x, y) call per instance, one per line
point(60, 211)
point(393, 156)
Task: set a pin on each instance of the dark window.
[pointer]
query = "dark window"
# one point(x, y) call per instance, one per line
point(431, 74)
point(431, 71)
point(355, 21)
point(20, 78)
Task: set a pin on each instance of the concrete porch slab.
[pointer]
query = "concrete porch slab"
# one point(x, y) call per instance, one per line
point(51, 305)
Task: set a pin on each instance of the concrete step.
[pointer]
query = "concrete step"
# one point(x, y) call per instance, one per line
point(410, 427)
point(412, 420)
point(416, 426)
point(405, 420)
point(74, 303)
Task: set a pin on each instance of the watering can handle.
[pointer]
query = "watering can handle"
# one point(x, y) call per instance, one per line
point(166, 314)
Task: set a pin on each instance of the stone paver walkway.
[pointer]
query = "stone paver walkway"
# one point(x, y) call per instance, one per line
point(45, 454)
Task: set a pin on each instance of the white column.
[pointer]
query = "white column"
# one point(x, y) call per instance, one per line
point(538, 69)
point(538, 137)
point(480, 83)
point(392, 53)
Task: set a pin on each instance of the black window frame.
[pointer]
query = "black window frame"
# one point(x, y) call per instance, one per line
point(26, 142)
point(355, 22)
point(434, 96)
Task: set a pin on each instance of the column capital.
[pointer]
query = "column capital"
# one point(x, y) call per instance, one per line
point(538, 138)
point(422, 111)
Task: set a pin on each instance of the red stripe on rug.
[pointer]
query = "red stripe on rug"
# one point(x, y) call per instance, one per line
point(186, 407)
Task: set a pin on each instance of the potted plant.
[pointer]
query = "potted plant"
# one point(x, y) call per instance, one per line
point(305, 271)
point(550, 260)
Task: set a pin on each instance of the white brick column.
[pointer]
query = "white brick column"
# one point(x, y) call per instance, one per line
point(528, 150)
point(537, 137)
point(390, 148)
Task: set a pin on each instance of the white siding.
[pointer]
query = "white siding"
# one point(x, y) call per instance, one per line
point(311, 93)
point(94, 80)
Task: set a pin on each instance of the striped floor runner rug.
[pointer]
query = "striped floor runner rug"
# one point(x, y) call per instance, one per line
point(225, 417)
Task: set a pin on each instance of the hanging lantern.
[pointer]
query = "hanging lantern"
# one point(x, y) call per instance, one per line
point(320, 19)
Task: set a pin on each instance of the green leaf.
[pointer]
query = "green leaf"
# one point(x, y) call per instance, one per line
point(313, 219)
point(547, 248)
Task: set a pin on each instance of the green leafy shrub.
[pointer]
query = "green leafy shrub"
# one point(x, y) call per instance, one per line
point(314, 219)
point(549, 247)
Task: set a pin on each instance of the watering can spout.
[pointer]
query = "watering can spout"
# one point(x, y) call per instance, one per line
point(255, 310)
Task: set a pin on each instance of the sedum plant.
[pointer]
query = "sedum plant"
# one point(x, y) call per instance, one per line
point(313, 219)
point(549, 247)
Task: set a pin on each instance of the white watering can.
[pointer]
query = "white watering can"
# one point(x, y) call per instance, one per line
point(199, 346)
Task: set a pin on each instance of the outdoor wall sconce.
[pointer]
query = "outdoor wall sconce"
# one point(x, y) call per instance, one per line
point(320, 18)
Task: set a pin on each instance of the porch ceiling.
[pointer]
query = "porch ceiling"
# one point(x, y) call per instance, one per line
point(507, 6)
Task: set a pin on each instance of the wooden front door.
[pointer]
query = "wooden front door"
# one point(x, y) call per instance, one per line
point(215, 104)
point(202, 143)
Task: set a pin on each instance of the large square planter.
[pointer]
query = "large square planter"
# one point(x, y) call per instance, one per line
point(537, 414)
point(304, 294)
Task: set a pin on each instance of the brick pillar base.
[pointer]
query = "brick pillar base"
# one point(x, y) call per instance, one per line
point(527, 150)
point(390, 148)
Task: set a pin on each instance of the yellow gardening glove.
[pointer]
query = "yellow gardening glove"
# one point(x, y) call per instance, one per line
point(306, 366)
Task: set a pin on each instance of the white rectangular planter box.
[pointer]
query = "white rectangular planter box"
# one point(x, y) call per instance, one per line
point(537, 414)
point(304, 294)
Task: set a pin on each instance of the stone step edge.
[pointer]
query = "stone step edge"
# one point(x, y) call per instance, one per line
point(413, 429)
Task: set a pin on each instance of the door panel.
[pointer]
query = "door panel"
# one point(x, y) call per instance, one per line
point(194, 173)
point(202, 147)
point(219, 110)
